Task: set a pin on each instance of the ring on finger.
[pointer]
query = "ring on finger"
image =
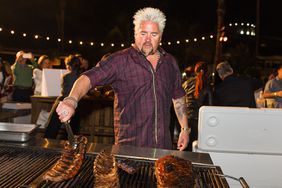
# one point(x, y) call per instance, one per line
point(65, 112)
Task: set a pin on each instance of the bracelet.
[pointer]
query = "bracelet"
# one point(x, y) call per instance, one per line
point(71, 99)
point(186, 129)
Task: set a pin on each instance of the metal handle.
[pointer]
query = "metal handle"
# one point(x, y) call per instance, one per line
point(69, 133)
point(243, 182)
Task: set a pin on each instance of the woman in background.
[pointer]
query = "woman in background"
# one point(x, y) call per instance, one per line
point(198, 93)
point(54, 124)
point(43, 63)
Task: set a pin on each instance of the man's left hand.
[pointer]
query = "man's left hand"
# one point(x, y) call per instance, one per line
point(183, 140)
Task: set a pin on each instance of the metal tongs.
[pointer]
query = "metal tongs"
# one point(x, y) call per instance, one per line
point(70, 134)
point(241, 180)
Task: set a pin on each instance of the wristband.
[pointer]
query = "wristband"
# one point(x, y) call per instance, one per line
point(186, 129)
point(71, 99)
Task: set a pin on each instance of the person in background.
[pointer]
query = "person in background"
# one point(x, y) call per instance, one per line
point(198, 93)
point(84, 63)
point(189, 72)
point(233, 90)
point(6, 81)
point(146, 80)
point(68, 79)
point(43, 63)
point(22, 74)
point(273, 89)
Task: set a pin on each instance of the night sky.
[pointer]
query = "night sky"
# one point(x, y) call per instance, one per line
point(88, 19)
point(111, 20)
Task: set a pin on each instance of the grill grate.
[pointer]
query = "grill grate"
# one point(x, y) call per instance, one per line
point(19, 166)
point(22, 167)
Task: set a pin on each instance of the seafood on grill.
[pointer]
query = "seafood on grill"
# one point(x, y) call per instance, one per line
point(105, 171)
point(70, 161)
point(174, 172)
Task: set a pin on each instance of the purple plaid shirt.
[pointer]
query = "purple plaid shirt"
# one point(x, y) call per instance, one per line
point(143, 97)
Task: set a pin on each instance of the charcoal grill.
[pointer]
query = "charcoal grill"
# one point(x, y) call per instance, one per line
point(23, 167)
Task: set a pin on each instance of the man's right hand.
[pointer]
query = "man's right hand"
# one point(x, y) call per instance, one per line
point(65, 110)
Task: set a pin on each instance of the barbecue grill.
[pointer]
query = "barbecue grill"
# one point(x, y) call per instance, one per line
point(23, 166)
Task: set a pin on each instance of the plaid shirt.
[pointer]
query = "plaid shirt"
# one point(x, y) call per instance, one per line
point(143, 96)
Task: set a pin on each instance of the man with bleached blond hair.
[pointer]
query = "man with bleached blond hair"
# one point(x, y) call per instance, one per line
point(146, 80)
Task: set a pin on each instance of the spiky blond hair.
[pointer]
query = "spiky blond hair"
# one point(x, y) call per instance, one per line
point(149, 14)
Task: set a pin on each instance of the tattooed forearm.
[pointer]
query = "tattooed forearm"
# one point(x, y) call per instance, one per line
point(180, 108)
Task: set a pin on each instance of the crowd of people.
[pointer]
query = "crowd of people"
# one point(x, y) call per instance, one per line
point(23, 78)
point(146, 81)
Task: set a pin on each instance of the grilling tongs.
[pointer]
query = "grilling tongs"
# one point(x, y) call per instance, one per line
point(71, 138)
point(241, 180)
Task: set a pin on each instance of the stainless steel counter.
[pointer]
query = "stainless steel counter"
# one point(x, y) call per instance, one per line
point(118, 150)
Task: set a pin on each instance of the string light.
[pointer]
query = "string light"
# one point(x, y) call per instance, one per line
point(245, 29)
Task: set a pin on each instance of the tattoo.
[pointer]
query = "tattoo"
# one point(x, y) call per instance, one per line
point(180, 107)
